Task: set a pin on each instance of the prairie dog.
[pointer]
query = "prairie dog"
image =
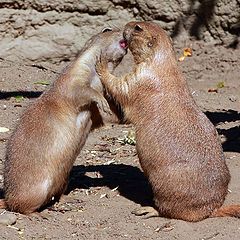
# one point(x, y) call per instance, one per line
point(178, 147)
point(54, 128)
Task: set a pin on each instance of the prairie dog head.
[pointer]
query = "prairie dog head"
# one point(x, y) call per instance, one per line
point(113, 45)
point(145, 40)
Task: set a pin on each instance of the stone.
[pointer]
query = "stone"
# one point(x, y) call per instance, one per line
point(8, 219)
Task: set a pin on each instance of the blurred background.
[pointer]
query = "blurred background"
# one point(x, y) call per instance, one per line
point(54, 30)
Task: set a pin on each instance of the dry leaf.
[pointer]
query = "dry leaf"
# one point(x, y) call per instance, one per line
point(45, 83)
point(114, 189)
point(220, 85)
point(103, 195)
point(109, 162)
point(213, 90)
point(19, 98)
point(167, 227)
point(181, 59)
point(187, 52)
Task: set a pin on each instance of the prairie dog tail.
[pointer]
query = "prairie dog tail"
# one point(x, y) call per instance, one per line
point(227, 211)
point(2, 204)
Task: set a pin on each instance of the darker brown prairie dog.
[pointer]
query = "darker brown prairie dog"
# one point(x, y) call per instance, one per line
point(177, 145)
point(53, 129)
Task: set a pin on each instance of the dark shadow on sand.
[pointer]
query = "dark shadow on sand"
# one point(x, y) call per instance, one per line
point(130, 181)
point(25, 94)
point(224, 116)
point(232, 143)
point(1, 193)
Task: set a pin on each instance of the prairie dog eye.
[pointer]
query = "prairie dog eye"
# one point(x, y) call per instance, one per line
point(107, 29)
point(138, 28)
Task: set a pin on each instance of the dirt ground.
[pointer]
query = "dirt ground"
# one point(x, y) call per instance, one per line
point(107, 183)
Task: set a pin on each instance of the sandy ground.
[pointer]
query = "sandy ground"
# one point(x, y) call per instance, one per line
point(106, 183)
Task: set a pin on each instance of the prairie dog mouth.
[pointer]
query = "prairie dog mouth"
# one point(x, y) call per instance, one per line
point(123, 44)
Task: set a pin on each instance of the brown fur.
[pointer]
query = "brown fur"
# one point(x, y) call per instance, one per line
point(2, 203)
point(178, 147)
point(53, 129)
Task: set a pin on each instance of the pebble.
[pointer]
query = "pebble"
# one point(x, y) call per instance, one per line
point(8, 219)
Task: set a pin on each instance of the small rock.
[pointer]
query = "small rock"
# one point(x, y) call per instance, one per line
point(8, 219)
point(3, 129)
point(135, 11)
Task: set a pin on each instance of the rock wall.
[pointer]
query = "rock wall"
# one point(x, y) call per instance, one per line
point(54, 30)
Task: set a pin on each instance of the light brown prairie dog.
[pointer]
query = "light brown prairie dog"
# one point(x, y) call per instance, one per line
point(53, 129)
point(178, 147)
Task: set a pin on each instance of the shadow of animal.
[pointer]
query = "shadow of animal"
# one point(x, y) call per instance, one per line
point(130, 181)
point(232, 143)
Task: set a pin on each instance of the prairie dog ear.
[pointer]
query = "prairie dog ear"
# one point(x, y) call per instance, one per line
point(138, 28)
point(107, 29)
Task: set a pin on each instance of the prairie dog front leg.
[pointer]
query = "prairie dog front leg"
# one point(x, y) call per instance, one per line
point(119, 88)
point(89, 95)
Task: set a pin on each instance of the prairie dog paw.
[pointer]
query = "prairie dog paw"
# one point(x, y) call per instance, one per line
point(104, 106)
point(147, 211)
point(101, 65)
